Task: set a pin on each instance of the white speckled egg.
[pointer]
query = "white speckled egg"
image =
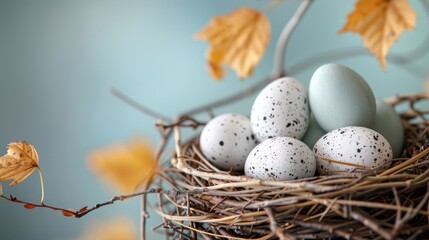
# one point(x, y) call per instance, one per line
point(280, 109)
point(227, 140)
point(344, 149)
point(340, 97)
point(388, 123)
point(280, 158)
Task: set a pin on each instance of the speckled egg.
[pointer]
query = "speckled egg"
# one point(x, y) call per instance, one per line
point(342, 150)
point(340, 97)
point(280, 109)
point(227, 140)
point(280, 158)
point(388, 123)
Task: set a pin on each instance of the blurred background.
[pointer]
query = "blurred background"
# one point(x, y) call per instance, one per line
point(60, 58)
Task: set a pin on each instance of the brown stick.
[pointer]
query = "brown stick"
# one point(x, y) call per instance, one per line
point(85, 210)
point(275, 227)
point(133, 103)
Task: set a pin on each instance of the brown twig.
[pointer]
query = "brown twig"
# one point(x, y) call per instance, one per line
point(366, 220)
point(275, 227)
point(28, 205)
point(230, 99)
point(133, 103)
point(85, 210)
point(181, 122)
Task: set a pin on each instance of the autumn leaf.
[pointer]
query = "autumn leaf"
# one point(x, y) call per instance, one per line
point(380, 23)
point(29, 206)
point(237, 39)
point(126, 166)
point(19, 162)
point(113, 229)
point(68, 213)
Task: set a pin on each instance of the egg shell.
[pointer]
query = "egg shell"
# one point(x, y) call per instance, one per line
point(313, 134)
point(348, 146)
point(280, 109)
point(340, 97)
point(388, 123)
point(227, 140)
point(280, 158)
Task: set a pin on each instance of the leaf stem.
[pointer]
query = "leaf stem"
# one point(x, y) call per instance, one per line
point(272, 4)
point(41, 185)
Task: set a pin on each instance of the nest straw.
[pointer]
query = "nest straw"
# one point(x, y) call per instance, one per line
point(374, 204)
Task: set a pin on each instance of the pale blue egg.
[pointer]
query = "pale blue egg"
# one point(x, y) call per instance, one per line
point(388, 123)
point(340, 97)
point(314, 133)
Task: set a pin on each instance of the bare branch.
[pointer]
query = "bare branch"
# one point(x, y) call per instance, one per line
point(279, 57)
point(275, 227)
point(230, 99)
point(85, 210)
point(133, 103)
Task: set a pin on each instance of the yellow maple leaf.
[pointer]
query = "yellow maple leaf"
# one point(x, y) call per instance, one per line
point(380, 23)
point(18, 163)
point(119, 228)
point(237, 39)
point(126, 166)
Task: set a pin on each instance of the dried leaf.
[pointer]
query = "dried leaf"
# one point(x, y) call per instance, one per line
point(113, 229)
point(237, 39)
point(83, 209)
point(380, 23)
point(29, 206)
point(19, 162)
point(127, 166)
point(69, 213)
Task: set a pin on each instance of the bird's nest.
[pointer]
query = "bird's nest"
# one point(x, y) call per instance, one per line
point(208, 203)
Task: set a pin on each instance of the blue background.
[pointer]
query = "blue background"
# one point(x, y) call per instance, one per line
point(59, 59)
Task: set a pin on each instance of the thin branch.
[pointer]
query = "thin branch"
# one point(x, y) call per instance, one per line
point(230, 99)
point(370, 223)
point(85, 210)
point(347, 52)
point(181, 122)
point(28, 205)
point(275, 227)
point(143, 216)
point(279, 55)
point(172, 192)
point(133, 103)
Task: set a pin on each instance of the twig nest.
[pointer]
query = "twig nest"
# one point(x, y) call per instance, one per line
point(382, 204)
point(345, 149)
point(280, 158)
point(281, 109)
point(227, 140)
